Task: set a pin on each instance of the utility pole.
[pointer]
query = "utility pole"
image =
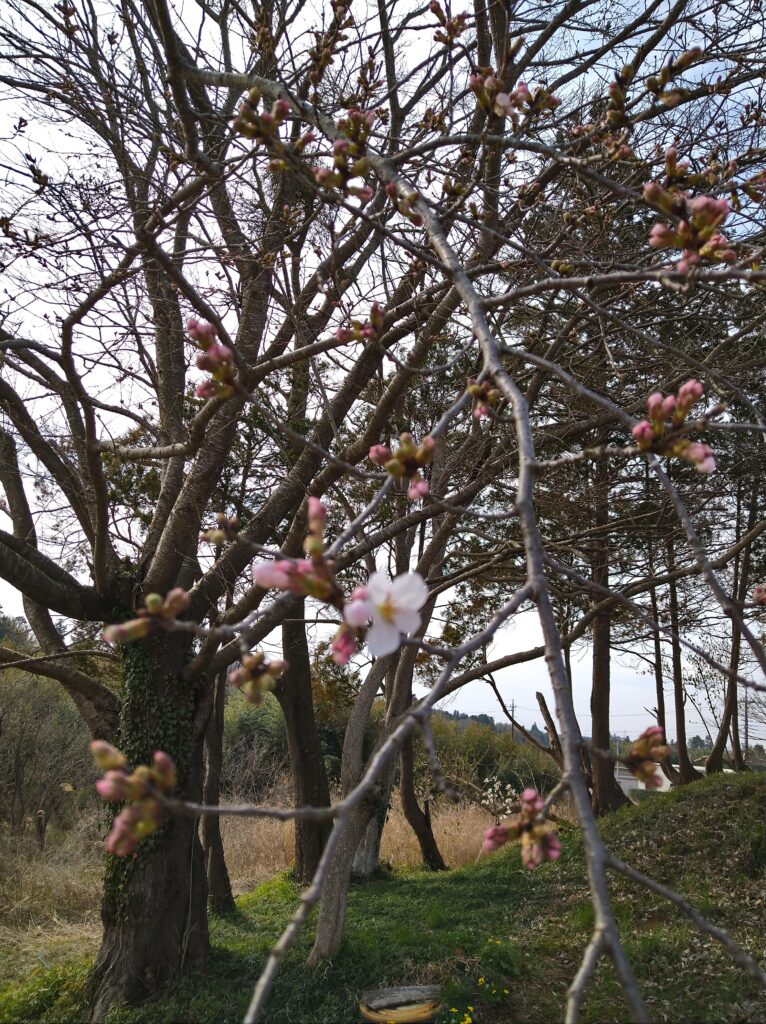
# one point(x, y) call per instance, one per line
point(513, 719)
point(747, 721)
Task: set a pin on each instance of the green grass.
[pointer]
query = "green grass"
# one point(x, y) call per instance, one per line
point(503, 941)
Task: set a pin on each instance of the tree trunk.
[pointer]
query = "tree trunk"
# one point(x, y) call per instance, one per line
point(332, 912)
point(310, 785)
point(367, 855)
point(730, 719)
point(686, 770)
point(418, 821)
point(220, 895)
point(666, 765)
point(154, 908)
point(606, 793)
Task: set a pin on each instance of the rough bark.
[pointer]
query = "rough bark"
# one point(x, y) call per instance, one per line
point(418, 821)
point(154, 908)
point(220, 896)
point(310, 784)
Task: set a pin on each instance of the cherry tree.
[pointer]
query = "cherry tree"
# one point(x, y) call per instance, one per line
point(314, 316)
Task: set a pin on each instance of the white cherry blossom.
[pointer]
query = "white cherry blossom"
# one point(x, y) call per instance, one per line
point(394, 607)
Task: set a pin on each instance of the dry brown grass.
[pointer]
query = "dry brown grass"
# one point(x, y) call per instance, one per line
point(61, 883)
point(255, 849)
point(49, 901)
point(458, 829)
point(258, 849)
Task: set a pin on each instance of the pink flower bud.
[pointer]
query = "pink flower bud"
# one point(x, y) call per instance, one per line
point(503, 106)
point(377, 316)
point(662, 237)
point(208, 389)
point(379, 454)
point(690, 392)
point(214, 357)
point(177, 601)
point(668, 407)
point(202, 332)
point(643, 432)
point(532, 802)
point(654, 404)
point(114, 786)
point(164, 771)
point(707, 211)
point(343, 646)
point(759, 594)
point(276, 575)
point(136, 629)
point(494, 838)
point(701, 455)
point(418, 489)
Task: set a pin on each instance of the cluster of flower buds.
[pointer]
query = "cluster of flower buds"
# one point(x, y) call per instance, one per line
point(484, 395)
point(406, 462)
point(225, 530)
point(756, 187)
point(615, 108)
point(303, 577)
point(405, 203)
point(349, 156)
point(382, 611)
point(697, 229)
point(215, 358)
point(666, 415)
point(656, 83)
point(491, 95)
point(363, 331)
point(156, 614)
point(451, 28)
point(321, 53)
point(309, 577)
point(257, 125)
point(141, 789)
point(643, 756)
point(256, 675)
point(538, 842)
point(759, 594)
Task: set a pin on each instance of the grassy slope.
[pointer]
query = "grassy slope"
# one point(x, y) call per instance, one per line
point(504, 941)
